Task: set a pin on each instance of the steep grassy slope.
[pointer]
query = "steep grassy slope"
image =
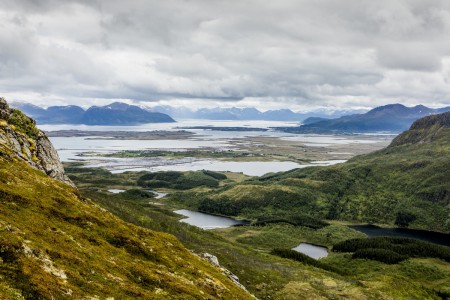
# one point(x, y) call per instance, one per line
point(407, 182)
point(54, 244)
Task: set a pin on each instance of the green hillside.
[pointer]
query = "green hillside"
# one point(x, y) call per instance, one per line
point(407, 183)
point(55, 244)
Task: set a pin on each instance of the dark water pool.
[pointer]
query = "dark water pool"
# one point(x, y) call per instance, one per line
point(427, 236)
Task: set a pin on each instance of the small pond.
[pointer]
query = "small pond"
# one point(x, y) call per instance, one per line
point(116, 191)
point(312, 250)
point(427, 236)
point(207, 221)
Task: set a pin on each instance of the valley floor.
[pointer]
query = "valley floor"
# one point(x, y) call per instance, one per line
point(245, 251)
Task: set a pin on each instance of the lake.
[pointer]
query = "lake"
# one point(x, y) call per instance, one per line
point(173, 126)
point(427, 236)
point(207, 221)
point(311, 250)
point(251, 168)
point(254, 168)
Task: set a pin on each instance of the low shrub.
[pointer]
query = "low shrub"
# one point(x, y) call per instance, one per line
point(215, 175)
point(23, 124)
point(382, 255)
point(305, 259)
point(402, 246)
point(293, 219)
point(179, 180)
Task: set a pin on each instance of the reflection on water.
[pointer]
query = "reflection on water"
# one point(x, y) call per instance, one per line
point(312, 250)
point(207, 221)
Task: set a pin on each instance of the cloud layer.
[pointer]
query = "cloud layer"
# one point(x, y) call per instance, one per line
point(290, 53)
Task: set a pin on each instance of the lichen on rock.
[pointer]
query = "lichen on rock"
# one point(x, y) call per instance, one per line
point(20, 137)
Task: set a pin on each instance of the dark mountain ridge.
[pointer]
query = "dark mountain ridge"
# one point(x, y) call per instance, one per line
point(122, 114)
point(392, 117)
point(248, 113)
point(113, 114)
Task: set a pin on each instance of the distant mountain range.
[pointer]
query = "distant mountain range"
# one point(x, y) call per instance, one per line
point(249, 113)
point(392, 117)
point(112, 114)
point(124, 114)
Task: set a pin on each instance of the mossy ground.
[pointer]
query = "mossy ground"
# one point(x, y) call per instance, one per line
point(245, 251)
point(55, 244)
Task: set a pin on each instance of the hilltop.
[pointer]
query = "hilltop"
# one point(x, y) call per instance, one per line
point(425, 130)
point(55, 244)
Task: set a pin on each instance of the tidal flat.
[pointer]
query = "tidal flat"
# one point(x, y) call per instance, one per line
point(241, 148)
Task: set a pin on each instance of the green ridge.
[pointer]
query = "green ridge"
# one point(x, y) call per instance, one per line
point(407, 183)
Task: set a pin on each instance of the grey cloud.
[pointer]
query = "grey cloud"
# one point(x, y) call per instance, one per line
point(286, 52)
point(410, 56)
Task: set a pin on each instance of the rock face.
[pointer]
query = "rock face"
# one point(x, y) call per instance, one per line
point(36, 150)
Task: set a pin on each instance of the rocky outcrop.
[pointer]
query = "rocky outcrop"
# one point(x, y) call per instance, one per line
point(212, 259)
point(35, 149)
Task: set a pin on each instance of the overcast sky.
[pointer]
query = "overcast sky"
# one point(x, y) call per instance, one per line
point(298, 54)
